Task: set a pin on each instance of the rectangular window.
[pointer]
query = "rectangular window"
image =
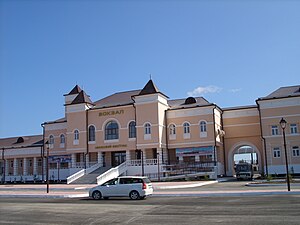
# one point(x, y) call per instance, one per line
point(294, 128)
point(276, 152)
point(296, 151)
point(275, 130)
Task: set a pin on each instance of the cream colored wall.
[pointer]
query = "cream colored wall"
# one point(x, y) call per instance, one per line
point(242, 128)
point(195, 140)
point(271, 112)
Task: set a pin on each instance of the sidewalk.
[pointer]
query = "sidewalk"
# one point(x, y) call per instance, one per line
point(163, 189)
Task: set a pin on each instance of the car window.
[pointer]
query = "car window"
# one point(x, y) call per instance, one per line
point(124, 181)
point(111, 182)
point(146, 180)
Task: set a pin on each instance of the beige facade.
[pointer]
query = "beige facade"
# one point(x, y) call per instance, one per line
point(152, 133)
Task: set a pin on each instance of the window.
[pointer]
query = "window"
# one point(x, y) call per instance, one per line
point(92, 133)
point(132, 130)
point(147, 128)
point(76, 135)
point(62, 139)
point(276, 152)
point(111, 131)
point(51, 140)
point(172, 129)
point(294, 129)
point(186, 128)
point(296, 151)
point(202, 126)
point(275, 130)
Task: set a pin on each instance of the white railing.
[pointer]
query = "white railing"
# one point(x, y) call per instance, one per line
point(82, 164)
point(75, 176)
point(112, 173)
point(138, 162)
point(82, 172)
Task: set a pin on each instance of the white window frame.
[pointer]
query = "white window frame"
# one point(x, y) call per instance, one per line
point(296, 151)
point(172, 131)
point(203, 128)
point(76, 137)
point(89, 135)
point(147, 131)
point(276, 152)
point(62, 138)
point(186, 130)
point(293, 128)
point(274, 130)
point(51, 141)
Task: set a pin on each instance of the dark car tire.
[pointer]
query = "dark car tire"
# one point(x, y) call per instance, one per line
point(143, 197)
point(97, 195)
point(134, 195)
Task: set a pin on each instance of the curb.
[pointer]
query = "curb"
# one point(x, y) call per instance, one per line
point(185, 185)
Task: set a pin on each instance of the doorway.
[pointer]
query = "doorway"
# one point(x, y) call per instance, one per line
point(118, 158)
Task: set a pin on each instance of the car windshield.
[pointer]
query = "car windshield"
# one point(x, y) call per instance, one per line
point(111, 182)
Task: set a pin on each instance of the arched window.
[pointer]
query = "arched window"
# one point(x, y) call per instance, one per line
point(147, 128)
point(202, 126)
point(51, 141)
point(186, 128)
point(132, 130)
point(92, 133)
point(111, 131)
point(172, 129)
point(76, 135)
point(62, 139)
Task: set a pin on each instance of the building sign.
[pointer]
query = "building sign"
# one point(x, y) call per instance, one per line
point(60, 158)
point(111, 146)
point(111, 113)
point(209, 150)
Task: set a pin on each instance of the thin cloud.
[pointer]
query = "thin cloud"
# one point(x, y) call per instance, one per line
point(235, 90)
point(204, 90)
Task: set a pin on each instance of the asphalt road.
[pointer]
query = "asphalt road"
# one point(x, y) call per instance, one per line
point(275, 209)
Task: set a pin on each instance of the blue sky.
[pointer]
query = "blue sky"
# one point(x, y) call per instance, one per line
point(230, 52)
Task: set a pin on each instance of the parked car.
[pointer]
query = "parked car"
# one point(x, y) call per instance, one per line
point(127, 186)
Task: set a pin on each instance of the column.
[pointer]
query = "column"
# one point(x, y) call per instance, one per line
point(165, 156)
point(87, 160)
point(15, 166)
point(128, 158)
point(6, 167)
point(81, 159)
point(35, 172)
point(159, 155)
point(197, 158)
point(73, 160)
point(100, 161)
point(25, 170)
point(45, 167)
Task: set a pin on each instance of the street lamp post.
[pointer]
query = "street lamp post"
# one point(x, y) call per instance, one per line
point(283, 126)
point(142, 159)
point(4, 165)
point(47, 164)
point(158, 169)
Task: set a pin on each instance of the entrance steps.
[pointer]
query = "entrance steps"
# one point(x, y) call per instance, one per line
point(91, 177)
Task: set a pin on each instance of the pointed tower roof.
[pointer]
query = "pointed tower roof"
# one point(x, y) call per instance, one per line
point(75, 90)
point(82, 97)
point(150, 88)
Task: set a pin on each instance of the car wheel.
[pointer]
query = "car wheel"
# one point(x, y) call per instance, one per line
point(143, 197)
point(134, 195)
point(97, 195)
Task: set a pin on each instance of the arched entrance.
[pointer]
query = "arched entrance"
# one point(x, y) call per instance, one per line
point(244, 152)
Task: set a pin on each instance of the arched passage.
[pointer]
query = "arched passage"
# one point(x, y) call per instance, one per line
point(243, 151)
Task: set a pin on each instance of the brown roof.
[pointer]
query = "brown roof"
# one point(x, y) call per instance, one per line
point(150, 88)
point(117, 99)
point(82, 97)
point(283, 92)
point(181, 103)
point(74, 91)
point(23, 141)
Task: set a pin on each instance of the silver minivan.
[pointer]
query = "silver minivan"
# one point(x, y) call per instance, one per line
point(133, 187)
